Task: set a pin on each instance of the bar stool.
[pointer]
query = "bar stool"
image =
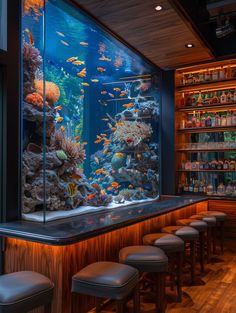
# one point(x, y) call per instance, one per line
point(108, 280)
point(149, 259)
point(25, 291)
point(173, 246)
point(211, 224)
point(201, 226)
point(189, 235)
point(220, 220)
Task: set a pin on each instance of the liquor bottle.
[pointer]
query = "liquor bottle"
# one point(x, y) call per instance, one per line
point(221, 189)
point(182, 101)
point(217, 120)
point(223, 98)
point(208, 121)
point(232, 165)
point(201, 186)
point(223, 120)
point(180, 188)
point(204, 187)
point(226, 165)
point(230, 96)
point(186, 186)
point(215, 74)
point(215, 99)
point(198, 122)
point(194, 120)
point(220, 165)
point(190, 79)
point(191, 185)
point(228, 72)
point(222, 73)
point(201, 76)
point(213, 121)
point(196, 187)
point(234, 95)
point(207, 76)
point(203, 120)
point(228, 119)
point(234, 118)
point(209, 189)
point(200, 100)
point(194, 100)
point(188, 165)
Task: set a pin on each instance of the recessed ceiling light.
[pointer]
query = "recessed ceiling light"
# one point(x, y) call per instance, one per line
point(158, 8)
point(189, 45)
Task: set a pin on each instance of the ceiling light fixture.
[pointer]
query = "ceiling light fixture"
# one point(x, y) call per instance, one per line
point(158, 8)
point(189, 45)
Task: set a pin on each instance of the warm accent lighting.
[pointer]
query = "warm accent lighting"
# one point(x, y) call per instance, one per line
point(158, 8)
point(189, 45)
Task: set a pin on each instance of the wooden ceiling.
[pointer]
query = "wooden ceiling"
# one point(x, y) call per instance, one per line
point(160, 36)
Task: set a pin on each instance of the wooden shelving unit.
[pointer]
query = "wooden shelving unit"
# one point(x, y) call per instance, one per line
point(185, 136)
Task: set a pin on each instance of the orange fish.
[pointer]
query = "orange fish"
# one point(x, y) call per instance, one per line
point(85, 84)
point(110, 188)
point(58, 108)
point(115, 185)
point(99, 171)
point(119, 124)
point(122, 94)
point(59, 119)
point(96, 160)
point(76, 176)
point(113, 129)
point(97, 141)
point(62, 128)
point(78, 62)
point(82, 73)
point(128, 105)
point(107, 142)
point(77, 138)
point(90, 197)
point(105, 151)
point(71, 59)
point(103, 92)
point(103, 135)
point(136, 110)
point(117, 89)
point(101, 69)
point(94, 80)
point(83, 43)
point(64, 43)
point(30, 36)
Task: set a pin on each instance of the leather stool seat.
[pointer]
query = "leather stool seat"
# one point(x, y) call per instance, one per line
point(169, 243)
point(144, 258)
point(210, 220)
point(201, 226)
point(105, 279)
point(220, 216)
point(24, 291)
point(186, 233)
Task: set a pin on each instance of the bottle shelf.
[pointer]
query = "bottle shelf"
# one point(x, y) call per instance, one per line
point(206, 150)
point(218, 171)
point(207, 129)
point(209, 85)
point(211, 107)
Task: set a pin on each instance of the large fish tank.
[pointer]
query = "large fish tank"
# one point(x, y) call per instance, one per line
point(90, 116)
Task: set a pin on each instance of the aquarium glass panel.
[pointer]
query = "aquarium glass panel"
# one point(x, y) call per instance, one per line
point(91, 111)
point(3, 24)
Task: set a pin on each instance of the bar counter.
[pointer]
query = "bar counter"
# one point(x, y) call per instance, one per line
point(60, 249)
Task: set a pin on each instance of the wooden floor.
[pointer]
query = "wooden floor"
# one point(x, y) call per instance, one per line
point(214, 292)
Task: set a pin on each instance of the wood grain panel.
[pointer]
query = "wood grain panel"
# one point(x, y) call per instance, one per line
point(228, 207)
point(61, 263)
point(160, 36)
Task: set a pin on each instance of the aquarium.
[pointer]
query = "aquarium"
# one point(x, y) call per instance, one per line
point(90, 116)
point(3, 24)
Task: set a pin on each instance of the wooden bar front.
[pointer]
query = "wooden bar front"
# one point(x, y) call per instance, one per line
point(60, 263)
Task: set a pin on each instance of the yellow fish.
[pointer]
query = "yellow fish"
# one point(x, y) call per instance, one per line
point(62, 128)
point(128, 105)
point(85, 84)
point(58, 108)
point(82, 73)
point(83, 43)
point(130, 186)
point(71, 59)
point(72, 189)
point(59, 119)
point(117, 89)
point(60, 34)
point(94, 80)
point(78, 62)
point(64, 43)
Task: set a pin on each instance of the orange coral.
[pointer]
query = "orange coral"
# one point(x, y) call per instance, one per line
point(52, 91)
point(34, 7)
point(35, 99)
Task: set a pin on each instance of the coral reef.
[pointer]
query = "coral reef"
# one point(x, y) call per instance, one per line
point(132, 132)
point(99, 199)
point(33, 6)
point(31, 61)
point(52, 91)
point(127, 194)
point(35, 99)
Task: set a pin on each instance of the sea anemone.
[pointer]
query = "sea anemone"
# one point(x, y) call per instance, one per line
point(32, 61)
point(132, 132)
point(74, 150)
point(35, 99)
point(52, 91)
point(33, 7)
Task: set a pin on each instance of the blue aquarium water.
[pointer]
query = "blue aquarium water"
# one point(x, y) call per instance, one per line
point(90, 109)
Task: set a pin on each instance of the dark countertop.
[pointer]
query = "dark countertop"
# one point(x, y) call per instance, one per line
point(72, 230)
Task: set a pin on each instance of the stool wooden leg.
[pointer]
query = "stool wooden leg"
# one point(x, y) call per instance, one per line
point(202, 250)
point(160, 292)
point(120, 306)
point(179, 275)
point(209, 241)
point(192, 260)
point(214, 240)
point(48, 308)
point(222, 237)
point(136, 299)
point(98, 305)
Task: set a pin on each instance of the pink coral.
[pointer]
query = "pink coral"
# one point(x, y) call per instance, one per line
point(35, 99)
point(52, 91)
